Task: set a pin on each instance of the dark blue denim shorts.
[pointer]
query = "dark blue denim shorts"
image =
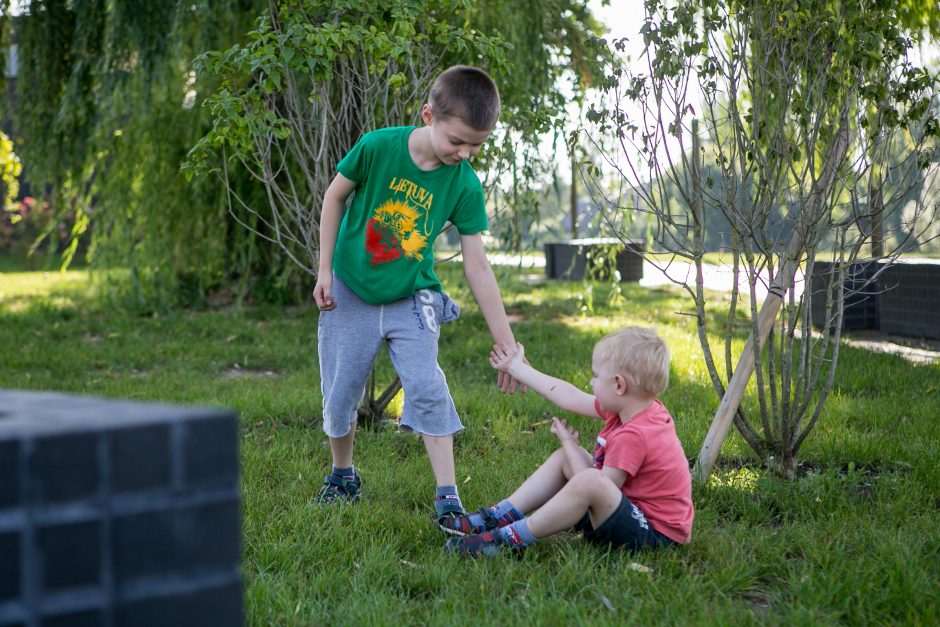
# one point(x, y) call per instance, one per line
point(627, 527)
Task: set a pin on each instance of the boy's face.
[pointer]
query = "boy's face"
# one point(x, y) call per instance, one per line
point(605, 386)
point(452, 140)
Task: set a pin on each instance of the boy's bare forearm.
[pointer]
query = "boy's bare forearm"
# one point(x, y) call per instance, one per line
point(330, 218)
point(485, 290)
point(574, 453)
point(558, 391)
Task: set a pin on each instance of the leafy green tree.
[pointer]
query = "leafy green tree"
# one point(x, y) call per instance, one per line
point(114, 106)
point(5, 29)
point(311, 79)
point(112, 110)
point(919, 18)
point(812, 114)
point(315, 75)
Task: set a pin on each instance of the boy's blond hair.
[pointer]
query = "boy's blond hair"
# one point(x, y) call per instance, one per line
point(467, 93)
point(639, 352)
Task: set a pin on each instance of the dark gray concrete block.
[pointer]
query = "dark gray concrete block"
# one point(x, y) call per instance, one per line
point(860, 293)
point(210, 453)
point(9, 473)
point(911, 299)
point(177, 541)
point(215, 607)
point(70, 555)
point(81, 618)
point(140, 459)
point(573, 259)
point(117, 513)
point(10, 563)
point(64, 468)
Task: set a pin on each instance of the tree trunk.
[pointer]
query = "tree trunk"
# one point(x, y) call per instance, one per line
point(877, 224)
point(574, 194)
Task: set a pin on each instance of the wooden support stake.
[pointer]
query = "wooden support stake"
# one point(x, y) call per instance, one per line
point(742, 372)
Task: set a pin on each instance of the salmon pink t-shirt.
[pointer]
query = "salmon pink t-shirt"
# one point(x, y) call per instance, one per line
point(658, 480)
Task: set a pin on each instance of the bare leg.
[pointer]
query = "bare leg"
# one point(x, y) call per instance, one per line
point(544, 483)
point(342, 448)
point(590, 491)
point(441, 454)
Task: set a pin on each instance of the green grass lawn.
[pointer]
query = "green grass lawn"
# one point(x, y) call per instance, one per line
point(856, 539)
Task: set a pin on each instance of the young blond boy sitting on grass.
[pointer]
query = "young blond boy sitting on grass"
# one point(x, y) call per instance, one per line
point(635, 492)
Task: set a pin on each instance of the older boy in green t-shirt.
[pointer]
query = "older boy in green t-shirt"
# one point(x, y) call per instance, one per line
point(376, 281)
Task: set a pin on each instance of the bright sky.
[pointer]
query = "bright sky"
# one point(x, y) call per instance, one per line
point(623, 19)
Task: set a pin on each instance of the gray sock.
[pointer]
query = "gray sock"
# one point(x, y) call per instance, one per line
point(446, 499)
point(518, 533)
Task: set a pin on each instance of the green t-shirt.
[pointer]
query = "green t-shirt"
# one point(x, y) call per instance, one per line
point(384, 249)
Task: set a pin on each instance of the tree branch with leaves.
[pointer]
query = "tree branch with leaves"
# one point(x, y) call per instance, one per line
point(794, 123)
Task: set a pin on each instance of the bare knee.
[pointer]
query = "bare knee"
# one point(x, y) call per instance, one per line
point(560, 459)
point(558, 455)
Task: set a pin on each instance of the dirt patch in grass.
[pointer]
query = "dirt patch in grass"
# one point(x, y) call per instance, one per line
point(237, 372)
point(758, 600)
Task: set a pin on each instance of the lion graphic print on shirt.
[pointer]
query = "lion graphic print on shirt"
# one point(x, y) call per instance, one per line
point(393, 232)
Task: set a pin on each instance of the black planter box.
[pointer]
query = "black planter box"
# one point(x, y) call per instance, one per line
point(570, 259)
point(910, 300)
point(117, 513)
point(861, 301)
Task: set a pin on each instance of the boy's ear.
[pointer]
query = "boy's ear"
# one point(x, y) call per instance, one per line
point(426, 114)
point(624, 383)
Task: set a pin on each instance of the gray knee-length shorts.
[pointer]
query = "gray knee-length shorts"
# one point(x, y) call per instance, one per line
point(349, 337)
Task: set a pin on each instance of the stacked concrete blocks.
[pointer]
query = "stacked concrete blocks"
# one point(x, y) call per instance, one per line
point(903, 300)
point(910, 302)
point(116, 513)
point(860, 294)
point(574, 259)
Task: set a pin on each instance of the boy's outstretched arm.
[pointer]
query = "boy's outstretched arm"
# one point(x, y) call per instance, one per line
point(565, 395)
point(482, 283)
point(334, 206)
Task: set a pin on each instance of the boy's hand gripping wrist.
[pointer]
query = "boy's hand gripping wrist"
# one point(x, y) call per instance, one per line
point(505, 358)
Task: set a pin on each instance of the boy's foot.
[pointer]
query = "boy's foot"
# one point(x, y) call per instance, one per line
point(448, 511)
point(462, 524)
point(336, 488)
point(487, 544)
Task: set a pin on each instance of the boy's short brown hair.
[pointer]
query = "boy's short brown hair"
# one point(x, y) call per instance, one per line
point(639, 352)
point(467, 93)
